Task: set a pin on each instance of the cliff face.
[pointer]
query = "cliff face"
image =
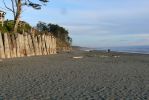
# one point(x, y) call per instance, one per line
point(26, 44)
point(62, 46)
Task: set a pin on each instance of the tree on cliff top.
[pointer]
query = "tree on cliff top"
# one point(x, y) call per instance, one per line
point(16, 8)
point(59, 32)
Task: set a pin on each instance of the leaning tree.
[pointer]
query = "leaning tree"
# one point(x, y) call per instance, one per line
point(16, 8)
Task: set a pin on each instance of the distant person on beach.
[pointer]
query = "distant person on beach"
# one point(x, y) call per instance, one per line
point(109, 50)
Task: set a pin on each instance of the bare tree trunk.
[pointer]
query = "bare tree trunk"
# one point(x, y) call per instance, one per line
point(17, 17)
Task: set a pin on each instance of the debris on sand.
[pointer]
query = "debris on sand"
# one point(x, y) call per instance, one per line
point(103, 56)
point(116, 56)
point(87, 50)
point(78, 57)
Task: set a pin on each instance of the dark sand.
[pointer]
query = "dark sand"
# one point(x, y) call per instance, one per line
point(97, 76)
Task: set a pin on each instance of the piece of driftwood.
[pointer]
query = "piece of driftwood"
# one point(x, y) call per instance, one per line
point(78, 57)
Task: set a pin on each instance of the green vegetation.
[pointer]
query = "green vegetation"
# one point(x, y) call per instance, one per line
point(9, 24)
point(59, 32)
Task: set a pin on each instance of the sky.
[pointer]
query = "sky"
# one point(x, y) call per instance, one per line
point(95, 23)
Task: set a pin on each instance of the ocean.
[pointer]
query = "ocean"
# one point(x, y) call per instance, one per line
point(129, 49)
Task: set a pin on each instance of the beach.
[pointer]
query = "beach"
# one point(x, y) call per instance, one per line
point(92, 75)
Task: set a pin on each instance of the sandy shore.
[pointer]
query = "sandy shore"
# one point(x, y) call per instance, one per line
point(96, 76)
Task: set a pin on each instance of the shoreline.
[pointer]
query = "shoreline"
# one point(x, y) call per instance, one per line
point(112, 51)
point(131, 50)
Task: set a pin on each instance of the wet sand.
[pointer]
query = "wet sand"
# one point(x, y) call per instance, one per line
point(96, 76)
